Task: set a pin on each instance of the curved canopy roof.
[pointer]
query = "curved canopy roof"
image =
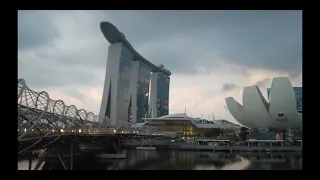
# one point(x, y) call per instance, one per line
point(176, 115)
point(200, 123)
point(113, 35)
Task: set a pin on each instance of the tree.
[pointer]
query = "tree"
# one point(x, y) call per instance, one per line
point(179, 135)
point(213, 133)
point(243, 133)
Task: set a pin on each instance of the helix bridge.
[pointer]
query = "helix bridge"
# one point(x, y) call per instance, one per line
point(43, 121)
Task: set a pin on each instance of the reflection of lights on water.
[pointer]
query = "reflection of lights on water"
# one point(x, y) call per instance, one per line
point(201, 167)
point(243, 164)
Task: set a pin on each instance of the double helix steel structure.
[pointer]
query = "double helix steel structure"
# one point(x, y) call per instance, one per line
point(40, 118)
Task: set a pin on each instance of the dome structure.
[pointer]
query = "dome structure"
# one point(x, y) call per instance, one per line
point(281, 111)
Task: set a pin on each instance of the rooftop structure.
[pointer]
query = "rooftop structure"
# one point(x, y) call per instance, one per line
point(113, 35)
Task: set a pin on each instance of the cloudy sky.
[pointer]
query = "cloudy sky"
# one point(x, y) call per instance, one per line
point(211, 54)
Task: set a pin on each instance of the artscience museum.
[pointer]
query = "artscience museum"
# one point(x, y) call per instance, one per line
point(279, 113)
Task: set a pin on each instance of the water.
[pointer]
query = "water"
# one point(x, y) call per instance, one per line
point(183, 160)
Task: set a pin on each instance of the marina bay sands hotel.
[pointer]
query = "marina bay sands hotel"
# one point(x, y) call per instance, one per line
point(134, 88)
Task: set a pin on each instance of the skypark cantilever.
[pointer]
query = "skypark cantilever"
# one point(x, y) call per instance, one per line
point(131, 84)
point(113, 35)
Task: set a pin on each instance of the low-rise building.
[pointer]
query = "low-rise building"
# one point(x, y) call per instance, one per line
point(182, 123)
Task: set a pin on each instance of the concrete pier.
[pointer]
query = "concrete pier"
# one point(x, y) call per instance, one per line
point(111, 156)
point(146, 148)
point(240, 148)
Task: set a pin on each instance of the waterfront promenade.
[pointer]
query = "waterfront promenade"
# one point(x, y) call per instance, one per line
point(223, 145)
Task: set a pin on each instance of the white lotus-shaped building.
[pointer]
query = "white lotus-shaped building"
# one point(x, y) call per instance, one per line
point(280, 113)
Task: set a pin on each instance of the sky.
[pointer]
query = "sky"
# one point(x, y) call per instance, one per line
point(211, 54)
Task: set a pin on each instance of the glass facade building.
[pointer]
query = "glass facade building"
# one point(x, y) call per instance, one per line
point(123, 95)
point(127, 95)
point(143, 91)
point(163, 83)
point(298, 92)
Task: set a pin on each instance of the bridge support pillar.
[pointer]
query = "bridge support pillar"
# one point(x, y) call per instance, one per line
point(61, 157)
point(71, 156)
point(119, 145)
point(30, 160)
point(42, 158)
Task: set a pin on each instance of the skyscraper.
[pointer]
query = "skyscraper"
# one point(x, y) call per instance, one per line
point(159, 93)
point(126, 88)
point(143, 91)
point(134, 76)
point(163, 94)
point(116, 92)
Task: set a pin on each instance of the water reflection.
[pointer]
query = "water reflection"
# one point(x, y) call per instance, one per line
point(242, 164)
point(183, 160)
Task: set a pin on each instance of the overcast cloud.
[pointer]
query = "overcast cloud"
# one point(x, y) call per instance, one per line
point(211, 54)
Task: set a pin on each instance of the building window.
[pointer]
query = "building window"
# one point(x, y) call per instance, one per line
point(281, 115)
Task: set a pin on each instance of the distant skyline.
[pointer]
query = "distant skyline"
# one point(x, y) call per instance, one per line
point(211, 54)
